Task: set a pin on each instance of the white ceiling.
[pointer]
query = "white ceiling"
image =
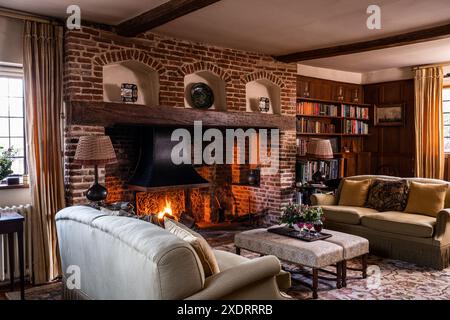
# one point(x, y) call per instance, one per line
point(283, 26)
point(430, 52)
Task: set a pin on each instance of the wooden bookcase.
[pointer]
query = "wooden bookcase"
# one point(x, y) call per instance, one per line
point(326, 119)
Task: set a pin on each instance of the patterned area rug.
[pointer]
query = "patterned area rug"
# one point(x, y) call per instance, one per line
point(388, 279)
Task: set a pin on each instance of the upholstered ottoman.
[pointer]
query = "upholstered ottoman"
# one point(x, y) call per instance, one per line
point(316, 255)
point(353, 247)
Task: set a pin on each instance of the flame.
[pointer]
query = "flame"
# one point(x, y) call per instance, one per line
point(166, 211)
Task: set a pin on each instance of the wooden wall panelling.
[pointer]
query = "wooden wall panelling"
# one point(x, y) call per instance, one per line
point(392, 148)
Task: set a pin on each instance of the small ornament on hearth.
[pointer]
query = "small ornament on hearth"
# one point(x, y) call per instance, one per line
point(264, 104)
point(129, 92)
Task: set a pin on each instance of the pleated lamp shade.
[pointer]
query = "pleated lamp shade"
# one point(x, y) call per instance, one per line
point(95, 150)
point(319, 149)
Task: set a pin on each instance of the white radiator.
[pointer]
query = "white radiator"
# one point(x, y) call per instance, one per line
point(24, 210)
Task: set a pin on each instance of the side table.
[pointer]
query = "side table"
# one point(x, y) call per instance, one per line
point(11, 223)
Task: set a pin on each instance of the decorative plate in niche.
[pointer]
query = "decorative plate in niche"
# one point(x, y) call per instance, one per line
point(202, 96)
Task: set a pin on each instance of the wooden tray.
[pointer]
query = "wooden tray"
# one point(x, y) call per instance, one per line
point(289, 232)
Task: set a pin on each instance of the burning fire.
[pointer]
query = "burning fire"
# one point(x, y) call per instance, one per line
point(166, 211)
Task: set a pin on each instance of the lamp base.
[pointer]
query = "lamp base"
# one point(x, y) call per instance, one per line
point(96, 193)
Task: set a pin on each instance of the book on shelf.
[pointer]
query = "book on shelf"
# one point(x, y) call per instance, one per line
point(313, 126)
point(306, 169)
point(307, 108)
point(354, 112)
point(356, 127)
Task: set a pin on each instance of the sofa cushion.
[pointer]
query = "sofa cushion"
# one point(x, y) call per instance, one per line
point(201, 247)
point(427, 199)
point(385, 195)
point(409, 224)
point(346, 214)
point(354, 193)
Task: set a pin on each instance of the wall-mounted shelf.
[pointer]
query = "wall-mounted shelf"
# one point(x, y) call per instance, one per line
point(336, 102)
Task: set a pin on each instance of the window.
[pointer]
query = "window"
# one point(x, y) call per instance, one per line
point(12, 123)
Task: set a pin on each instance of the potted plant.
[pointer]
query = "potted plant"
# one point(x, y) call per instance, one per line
point(5, 162)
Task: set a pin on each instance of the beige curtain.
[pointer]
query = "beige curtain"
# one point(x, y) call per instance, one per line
point(43, 63)
point(429, 123)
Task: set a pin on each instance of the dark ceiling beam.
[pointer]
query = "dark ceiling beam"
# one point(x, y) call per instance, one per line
point(160, 15)
point(429, 34)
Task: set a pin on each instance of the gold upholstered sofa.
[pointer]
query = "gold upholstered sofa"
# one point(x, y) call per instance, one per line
point(420, 233)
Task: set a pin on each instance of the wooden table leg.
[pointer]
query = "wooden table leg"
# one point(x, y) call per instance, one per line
point(21, 264)
point(364, 266)
point(238, 251)
point(315, 283)
point(339, 275)
point(344, 273)
point(11, 259)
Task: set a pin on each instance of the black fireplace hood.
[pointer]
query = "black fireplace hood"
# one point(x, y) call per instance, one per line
point(155, 169)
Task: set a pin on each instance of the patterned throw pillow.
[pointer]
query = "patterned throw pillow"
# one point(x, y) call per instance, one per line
point(388, 195)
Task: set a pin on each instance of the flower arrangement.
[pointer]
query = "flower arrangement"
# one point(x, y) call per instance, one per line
point(295, 213)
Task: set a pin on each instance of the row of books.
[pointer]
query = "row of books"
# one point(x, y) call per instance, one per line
point(306, 169)
point(317, 109)
point(354, 112)
point(312, 126)
point(356, 127)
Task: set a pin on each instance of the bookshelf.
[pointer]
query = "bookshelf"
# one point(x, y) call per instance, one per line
point(345, 124)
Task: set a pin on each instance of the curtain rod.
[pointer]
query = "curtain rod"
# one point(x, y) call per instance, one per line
point(443, 64)
point(21, 15)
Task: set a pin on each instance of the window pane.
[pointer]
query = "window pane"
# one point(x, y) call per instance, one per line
point(446, 94)
point(17, 144)
point(16, 127)
point(446, 106)
point(16, 107)
point(17, 166)
point(4, 142)
point(3, 107)
point(447, 131)
point(3, 87)
point(447, 144)
point(446, 119)
point(15, 87)
point(4, 127)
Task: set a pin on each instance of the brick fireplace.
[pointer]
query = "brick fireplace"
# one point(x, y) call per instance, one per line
point(88, 55)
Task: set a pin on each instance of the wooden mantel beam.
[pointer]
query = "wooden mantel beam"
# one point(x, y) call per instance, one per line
point(160, 15)
point(423, 35)
point(108, 114)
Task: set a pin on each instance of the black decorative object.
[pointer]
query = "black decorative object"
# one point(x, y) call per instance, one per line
point(202, 96)
point(254, 176)
point(129, 92)
point(264, 104)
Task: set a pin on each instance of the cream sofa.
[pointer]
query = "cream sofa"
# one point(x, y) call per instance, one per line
point(411, 237)
point(126, 258)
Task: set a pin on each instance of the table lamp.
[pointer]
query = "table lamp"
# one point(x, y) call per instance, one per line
point(95, 151)
point(319, 149)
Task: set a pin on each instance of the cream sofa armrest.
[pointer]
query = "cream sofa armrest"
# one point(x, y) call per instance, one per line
point(323, 199)
point(239, 277)
point(442, 229)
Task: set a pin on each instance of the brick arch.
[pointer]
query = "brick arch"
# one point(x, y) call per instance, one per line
point(117, 56)
point(204, 66)
point(262, 75)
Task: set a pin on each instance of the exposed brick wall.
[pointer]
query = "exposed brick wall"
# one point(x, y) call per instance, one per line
point(89, 49)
